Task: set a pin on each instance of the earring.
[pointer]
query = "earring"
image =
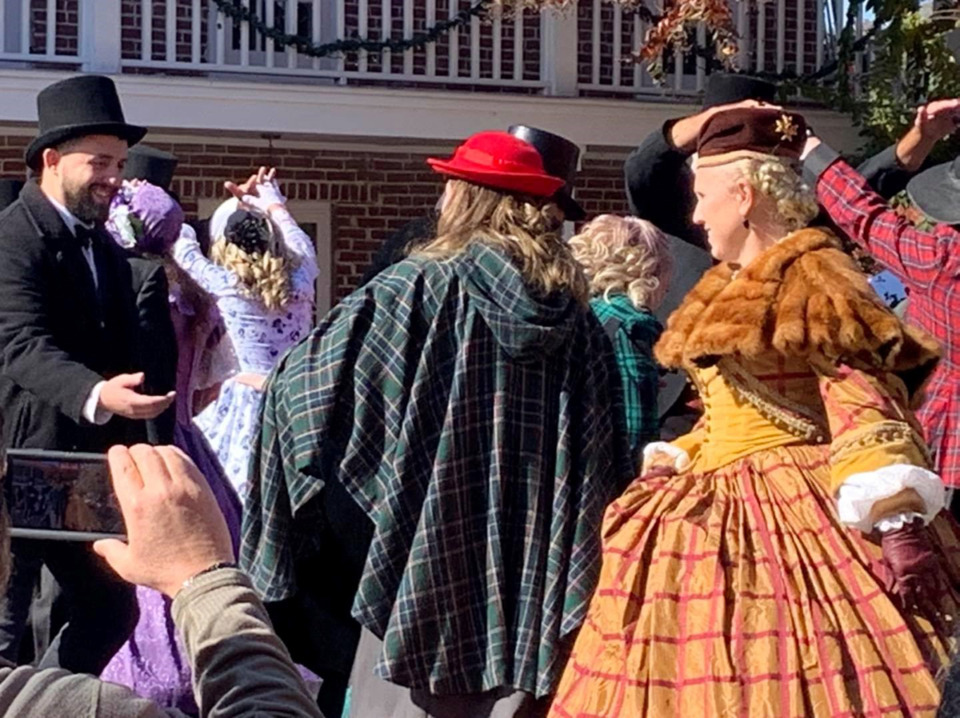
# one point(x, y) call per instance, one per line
point(746, 224)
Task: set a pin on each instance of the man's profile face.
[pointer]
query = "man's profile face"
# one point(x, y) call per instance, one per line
point(88, 172)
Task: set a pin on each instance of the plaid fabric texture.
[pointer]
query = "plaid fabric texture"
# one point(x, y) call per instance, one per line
point(928, 263)
point(732, 589)
point(478, 428)
point(636, 333)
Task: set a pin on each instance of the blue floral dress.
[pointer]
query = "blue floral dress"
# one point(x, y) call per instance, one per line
point(260, 337)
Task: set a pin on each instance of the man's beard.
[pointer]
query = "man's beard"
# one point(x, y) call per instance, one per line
point(82, 204)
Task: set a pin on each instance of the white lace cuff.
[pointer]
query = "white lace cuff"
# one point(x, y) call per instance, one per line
point(680, 458)
point(859, 492)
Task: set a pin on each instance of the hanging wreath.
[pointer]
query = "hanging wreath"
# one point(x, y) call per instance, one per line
point(306, 46)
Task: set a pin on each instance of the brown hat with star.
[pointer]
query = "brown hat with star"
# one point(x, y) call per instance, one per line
point(751, 132)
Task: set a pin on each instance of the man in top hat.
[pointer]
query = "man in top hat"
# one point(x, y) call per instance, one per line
point(69, 331)
point(152, 165)
point(925, 259)
point(561, 158)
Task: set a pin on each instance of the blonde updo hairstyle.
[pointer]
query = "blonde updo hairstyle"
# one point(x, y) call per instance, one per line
point(780, 180)
point(526, 228)
point(624, 255)
point(263, 272)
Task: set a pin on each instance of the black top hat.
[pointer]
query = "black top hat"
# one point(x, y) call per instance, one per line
point(560, 158)
point(9, 191)
point(76, 107)
point(150, 164)
point(726, 87)
point(936, 192)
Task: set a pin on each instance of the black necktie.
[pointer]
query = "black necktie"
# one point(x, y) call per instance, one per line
point(84, 236)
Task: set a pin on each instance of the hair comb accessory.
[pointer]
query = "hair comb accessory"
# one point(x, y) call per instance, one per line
point(248, 231)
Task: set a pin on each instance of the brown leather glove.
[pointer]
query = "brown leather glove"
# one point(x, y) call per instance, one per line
point(915, 571)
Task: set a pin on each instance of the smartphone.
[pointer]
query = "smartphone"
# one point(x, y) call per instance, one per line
point(61, 495)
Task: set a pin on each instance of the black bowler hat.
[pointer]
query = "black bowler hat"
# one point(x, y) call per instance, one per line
point(726, 87)
point(150, 164)
point(560, 159)
point(9, 191)
point(936, 192)
point(77, 107)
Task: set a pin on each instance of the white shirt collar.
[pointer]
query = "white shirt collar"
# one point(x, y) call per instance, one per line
point(68, 217)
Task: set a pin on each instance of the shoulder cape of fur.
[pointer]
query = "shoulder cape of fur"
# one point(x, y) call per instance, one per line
point(803, 297)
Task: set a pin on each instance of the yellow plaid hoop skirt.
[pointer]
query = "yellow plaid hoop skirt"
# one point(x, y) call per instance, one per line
point(736, 591)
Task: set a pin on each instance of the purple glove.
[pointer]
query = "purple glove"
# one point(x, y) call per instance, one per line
point(915, 571)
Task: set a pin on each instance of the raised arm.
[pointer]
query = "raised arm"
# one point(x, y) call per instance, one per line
point(917, 256)
point(211, 277)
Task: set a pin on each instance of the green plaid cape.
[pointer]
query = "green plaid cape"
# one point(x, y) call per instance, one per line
point(635, 333)
point(480, 430)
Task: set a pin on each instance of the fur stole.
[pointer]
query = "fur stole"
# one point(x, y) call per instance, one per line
point(803, 297)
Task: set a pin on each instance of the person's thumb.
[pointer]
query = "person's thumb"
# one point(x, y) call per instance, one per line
point(131, 381)
point(116, 553)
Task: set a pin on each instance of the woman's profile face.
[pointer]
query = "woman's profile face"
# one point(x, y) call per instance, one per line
point(718, 210)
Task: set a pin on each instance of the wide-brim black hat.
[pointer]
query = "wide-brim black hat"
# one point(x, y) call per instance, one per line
point(78, 107)
point(150, 164)
point(726, 87)
point(561, 158)
point(9, 191)
point(936, 192)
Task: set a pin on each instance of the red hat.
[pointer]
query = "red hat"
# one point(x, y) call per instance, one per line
point(499, 160)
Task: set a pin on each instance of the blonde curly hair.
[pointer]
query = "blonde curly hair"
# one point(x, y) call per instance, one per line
point(624, 255)
point(526, 228)
point(264, 275)
point(780, 180)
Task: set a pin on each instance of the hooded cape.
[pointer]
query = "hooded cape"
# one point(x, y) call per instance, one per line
point(479, 428)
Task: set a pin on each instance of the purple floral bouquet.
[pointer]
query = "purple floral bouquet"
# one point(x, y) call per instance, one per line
point(144, 218)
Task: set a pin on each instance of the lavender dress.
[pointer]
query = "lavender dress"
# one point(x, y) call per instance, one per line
point(259, 336)
point(152, 662)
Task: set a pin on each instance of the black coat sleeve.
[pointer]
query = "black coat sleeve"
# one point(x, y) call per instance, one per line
point(884, 173)
point(156, 342)
point(31, 357)
point(660, 186)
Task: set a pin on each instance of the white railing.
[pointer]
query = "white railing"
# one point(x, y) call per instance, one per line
point(35, 30)
point(764, 44)
point(585, 52)
point(477, 53)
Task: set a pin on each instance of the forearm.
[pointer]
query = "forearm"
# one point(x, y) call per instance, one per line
point(913, 149)
point(231, 644)
point(917, 256)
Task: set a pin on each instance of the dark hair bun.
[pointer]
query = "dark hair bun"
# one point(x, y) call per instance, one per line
point(248, 231)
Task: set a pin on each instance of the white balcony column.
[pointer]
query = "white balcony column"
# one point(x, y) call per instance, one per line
point(100, 45)
point(558, 52)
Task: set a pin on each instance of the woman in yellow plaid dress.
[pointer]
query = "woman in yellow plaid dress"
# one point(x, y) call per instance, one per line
point(789, 557)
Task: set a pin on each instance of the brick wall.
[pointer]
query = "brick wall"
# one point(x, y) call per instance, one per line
point(371, 193)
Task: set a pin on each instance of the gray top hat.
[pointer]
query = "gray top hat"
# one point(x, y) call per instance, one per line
point(936, 192)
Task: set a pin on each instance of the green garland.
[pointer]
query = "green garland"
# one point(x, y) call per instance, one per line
point(306, 46)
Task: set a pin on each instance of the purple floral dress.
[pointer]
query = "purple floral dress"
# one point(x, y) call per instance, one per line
point(259, 336)
point(152, 662)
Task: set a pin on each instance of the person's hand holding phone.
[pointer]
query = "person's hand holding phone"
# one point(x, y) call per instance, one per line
point(119, 395)
point(175, 529)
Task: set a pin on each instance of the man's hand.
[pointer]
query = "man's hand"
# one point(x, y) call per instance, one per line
point(932, 123)
point(175, 529)
point(683, 133)
point(120, 396)
point(809, 146)
point(938, 119)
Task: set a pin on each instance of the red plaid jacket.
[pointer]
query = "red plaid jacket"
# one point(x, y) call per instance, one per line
point(928, 263)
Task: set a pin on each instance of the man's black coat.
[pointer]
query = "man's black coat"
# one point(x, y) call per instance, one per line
point(60, 333)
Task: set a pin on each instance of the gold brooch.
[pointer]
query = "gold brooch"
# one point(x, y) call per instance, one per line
point(786, 127)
